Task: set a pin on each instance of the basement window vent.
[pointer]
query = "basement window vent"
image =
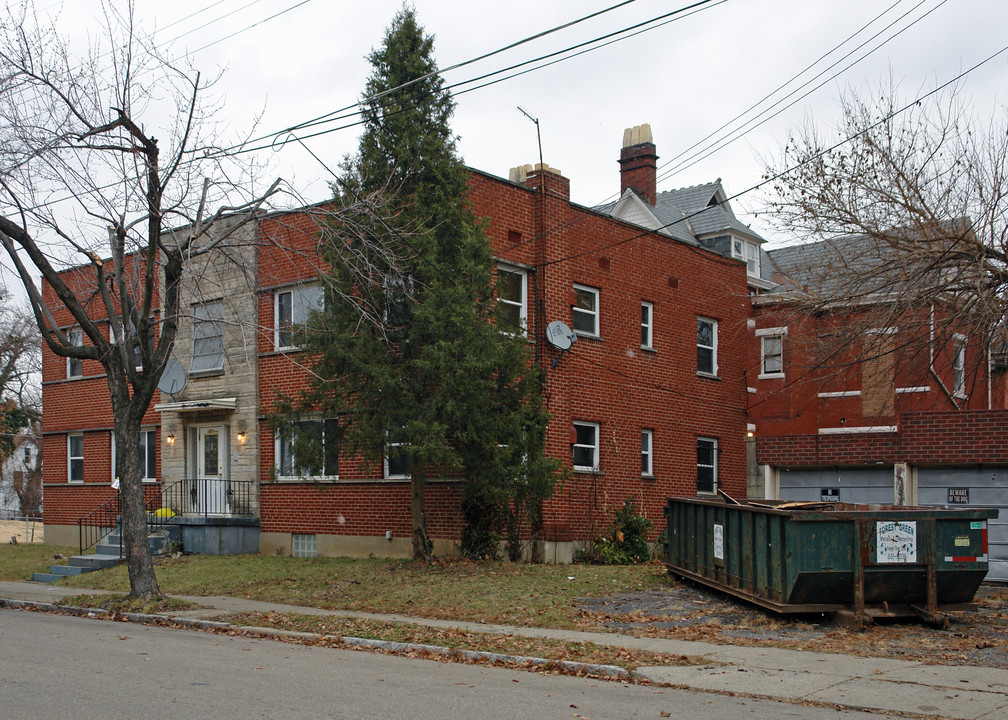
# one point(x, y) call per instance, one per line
point(303, 545)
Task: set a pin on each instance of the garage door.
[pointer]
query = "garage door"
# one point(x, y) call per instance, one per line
point(853, 485)
point(973, 487)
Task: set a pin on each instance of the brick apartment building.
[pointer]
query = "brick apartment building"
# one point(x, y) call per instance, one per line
point(685, 345)
point(650, 400)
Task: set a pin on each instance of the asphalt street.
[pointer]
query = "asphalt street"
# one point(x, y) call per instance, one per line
point(55, 666)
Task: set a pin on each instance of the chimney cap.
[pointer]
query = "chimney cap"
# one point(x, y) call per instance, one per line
point(637, 135)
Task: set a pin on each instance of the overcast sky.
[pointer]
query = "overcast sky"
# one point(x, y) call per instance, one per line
point(300, 59)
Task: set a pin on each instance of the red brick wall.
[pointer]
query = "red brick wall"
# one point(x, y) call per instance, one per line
point(925, 438)
point(358, 509)
point(792, 406)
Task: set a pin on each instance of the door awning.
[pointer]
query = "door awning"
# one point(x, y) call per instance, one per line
point(197, 405)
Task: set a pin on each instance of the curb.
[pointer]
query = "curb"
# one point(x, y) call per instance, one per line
point(613, 672)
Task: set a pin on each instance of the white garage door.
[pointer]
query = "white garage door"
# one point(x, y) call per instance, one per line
point(872, 485)
point(973, 487)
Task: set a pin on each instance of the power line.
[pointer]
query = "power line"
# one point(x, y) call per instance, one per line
point(749, 126)
point(786, 171)
point(349, 111)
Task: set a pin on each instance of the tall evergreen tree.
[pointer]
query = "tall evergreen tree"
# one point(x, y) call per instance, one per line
point(431, 381)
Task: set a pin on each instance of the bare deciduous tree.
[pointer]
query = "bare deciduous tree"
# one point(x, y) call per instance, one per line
point(101, 155)
point(907, 217)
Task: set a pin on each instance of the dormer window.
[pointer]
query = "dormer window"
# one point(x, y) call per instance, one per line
point(748, 251)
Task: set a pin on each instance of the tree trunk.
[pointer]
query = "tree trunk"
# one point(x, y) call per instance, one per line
point(421, 543)
point(143, 583)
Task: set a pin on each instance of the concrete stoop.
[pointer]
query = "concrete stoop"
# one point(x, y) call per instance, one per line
point(106, 555)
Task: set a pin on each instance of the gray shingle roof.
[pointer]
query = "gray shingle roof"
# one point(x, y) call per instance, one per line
point(687, 213)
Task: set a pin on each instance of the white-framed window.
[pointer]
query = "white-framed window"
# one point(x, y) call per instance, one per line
point(308, 449)
point(586, 446)
point(959, 366)
point(771, 352)
point(752, 259)
point(208, 337)
point(647, 452)
point(75, 366)
point(398, 464)
point(585, 312)
point(512, 294)
point(148, 456)
point(706, 451)
point(706, 346)
point(750, 252)
point(647, 325)
point(291, 308)
point(75, 458)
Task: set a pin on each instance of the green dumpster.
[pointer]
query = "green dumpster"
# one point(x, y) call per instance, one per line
point(863, 561)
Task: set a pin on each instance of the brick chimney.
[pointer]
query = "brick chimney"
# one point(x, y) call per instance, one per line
point(638, 163)
point(542, 175)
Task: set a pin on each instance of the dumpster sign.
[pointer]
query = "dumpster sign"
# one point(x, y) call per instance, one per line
point(719, 542)
point(896, 541)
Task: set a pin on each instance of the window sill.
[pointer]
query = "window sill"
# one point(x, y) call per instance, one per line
point(304, 480)
point(200, 374)
point(770, 376)
point(702, 494)
point(709, 376)
point(587, 336)
point(648, 349)
point(582, 470)
point(648, 476)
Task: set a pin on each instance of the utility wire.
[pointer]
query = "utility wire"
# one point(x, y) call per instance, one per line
point(789, 170)
point(749, 126)
point(349, 111)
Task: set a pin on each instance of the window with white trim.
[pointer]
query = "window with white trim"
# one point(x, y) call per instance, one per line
point(750, 252)
point(308, 448)
point(647, 325)
point(208, 337)
point(959, 366)
point(586, 446)
point(707, 346)
point(585, 312)
point(75, 366)
point(512, 296)
point(752, 259)
point(398, 464)
point(75, 457)
point(147, 449)
point(647, 452)
point(706, 451)
point(291, 308)
point(771, 352)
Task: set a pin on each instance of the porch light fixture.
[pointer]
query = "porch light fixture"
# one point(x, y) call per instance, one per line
point(170, 439)
point(241, 436)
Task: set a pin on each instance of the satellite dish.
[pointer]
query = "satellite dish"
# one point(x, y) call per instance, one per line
point(559, 335)
point(173, 379)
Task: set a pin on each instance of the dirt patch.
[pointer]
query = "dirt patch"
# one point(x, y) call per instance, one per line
point(689, 611)
point(32, 532)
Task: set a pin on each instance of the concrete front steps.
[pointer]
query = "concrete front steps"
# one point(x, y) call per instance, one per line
point(106, 555)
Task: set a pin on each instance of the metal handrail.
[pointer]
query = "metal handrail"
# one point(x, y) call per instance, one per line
point(94, 526)
point(206, 497)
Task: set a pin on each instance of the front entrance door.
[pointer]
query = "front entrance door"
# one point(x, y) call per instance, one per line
point(211, 477)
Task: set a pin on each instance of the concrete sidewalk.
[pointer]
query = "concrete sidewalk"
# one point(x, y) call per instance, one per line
point(855, 682)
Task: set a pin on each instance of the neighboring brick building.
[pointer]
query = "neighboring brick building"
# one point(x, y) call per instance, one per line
point(909, 412)
point(649, 402)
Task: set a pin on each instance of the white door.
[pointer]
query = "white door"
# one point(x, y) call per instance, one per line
point(211, 478)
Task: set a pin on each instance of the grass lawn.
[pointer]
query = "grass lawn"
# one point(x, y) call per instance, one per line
point(541, 595)
point(18, 562)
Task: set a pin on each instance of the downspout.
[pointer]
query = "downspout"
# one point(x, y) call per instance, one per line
point(931, 368)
